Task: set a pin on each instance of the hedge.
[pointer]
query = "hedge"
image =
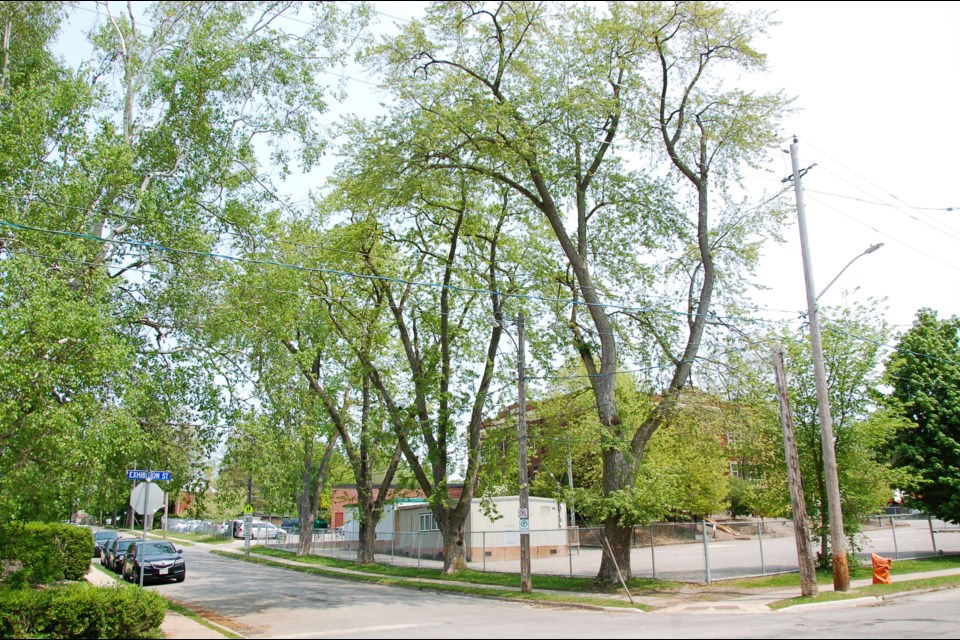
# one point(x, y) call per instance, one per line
point(42, 553)
point(81, 611)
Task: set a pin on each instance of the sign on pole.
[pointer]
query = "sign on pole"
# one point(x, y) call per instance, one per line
point(247, 528)
point(152, 476)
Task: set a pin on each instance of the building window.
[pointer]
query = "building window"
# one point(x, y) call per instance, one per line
point(735, 469)
point(427, 523)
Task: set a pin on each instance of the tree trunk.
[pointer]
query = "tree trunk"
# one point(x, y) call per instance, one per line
point(617, 472)
point(619, 537)
point(366, 552)
point(306, 515)
point(454, 552)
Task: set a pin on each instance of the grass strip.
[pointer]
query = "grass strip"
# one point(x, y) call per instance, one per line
point(157, 536)
point(486, 591)
point(873, 590)
point(552, 582)
point(184, 611)
point(173, 606)
point(825, 576)
point(205, 538)
point(113, 575)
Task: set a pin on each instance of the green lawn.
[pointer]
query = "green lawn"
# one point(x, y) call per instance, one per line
point(825, 576)
point(555, 583)
point(873, 590)
point(406, 577)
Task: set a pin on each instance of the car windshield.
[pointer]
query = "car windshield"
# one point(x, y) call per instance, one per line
point(154, 548)
point(104, 535)
point(123, 545)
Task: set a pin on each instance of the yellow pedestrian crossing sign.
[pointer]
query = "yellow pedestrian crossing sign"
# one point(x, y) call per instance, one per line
point(248, 509)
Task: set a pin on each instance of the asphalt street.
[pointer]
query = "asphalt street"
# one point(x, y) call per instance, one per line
point(260, 602)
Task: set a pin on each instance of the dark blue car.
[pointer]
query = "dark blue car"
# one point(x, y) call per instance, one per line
point(159, 559)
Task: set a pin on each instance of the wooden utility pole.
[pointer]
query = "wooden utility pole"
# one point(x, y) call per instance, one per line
point(526, 583)
point(838, 541)
point(801, 524)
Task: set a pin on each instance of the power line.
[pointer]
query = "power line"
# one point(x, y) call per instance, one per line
point(887, 235)
point(348, 274)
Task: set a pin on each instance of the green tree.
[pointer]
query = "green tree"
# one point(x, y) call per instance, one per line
point(544, 100)
point(683, 473)
point(119, 178)
point(852, 342)
point(431, 266)
point(924, 373)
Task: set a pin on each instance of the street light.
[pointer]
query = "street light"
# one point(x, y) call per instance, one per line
point(869, 249)
point(838, 542)
point(526, 585)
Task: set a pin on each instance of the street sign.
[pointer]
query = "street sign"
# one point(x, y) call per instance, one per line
point(248, 509)
point(140, 474)
point(522, 513)
point(247, 528)
point(154, 498)
point(524, 525)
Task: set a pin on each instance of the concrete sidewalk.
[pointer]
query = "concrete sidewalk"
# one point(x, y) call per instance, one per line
point(174, 625)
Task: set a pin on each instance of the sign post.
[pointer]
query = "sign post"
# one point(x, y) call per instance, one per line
point(247, 529)
point(143, 545)
point(147, 476)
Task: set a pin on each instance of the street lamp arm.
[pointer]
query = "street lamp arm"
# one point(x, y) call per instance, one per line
point(870, 249)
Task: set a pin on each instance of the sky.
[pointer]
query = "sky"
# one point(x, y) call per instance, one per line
point(876, 90)
point(876, 95)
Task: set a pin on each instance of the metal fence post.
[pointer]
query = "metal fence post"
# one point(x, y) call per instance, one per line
point(483, 541)
point(763, 566)
point(653, 553)
point(419, 540)
point(706, 550)
point(896, 548)
point(933, 536)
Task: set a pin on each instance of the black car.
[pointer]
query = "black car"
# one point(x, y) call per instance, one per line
point(100, 540)
point(113, 553)
point(160, 562)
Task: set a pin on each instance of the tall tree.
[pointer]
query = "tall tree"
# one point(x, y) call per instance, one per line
point(432, 254)
point(924, 374)
point(122, 175)
point(852, 339)
point(543, 99)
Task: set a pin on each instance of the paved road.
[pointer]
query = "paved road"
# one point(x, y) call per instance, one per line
point(263, 601)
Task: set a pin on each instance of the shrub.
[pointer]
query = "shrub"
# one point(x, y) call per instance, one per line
point(42, 553)
point(81, 611)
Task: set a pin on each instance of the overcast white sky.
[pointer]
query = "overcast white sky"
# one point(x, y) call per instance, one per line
point(876, 86)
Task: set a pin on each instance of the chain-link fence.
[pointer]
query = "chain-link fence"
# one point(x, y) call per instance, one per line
point(689, 552)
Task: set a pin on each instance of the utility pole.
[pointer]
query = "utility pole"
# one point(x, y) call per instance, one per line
point(573, 511)
point(526, 585)
point(838, 542)
point(801, 522)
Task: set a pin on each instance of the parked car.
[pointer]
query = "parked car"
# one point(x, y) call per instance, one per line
point(113, 553)
point(100, 540)
point(160, 561)
point(260, 530)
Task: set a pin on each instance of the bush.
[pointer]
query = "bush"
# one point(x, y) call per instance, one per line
point(42, 553)
point(81, 611)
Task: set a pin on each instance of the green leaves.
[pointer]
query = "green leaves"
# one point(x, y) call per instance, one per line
point(924, 373)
